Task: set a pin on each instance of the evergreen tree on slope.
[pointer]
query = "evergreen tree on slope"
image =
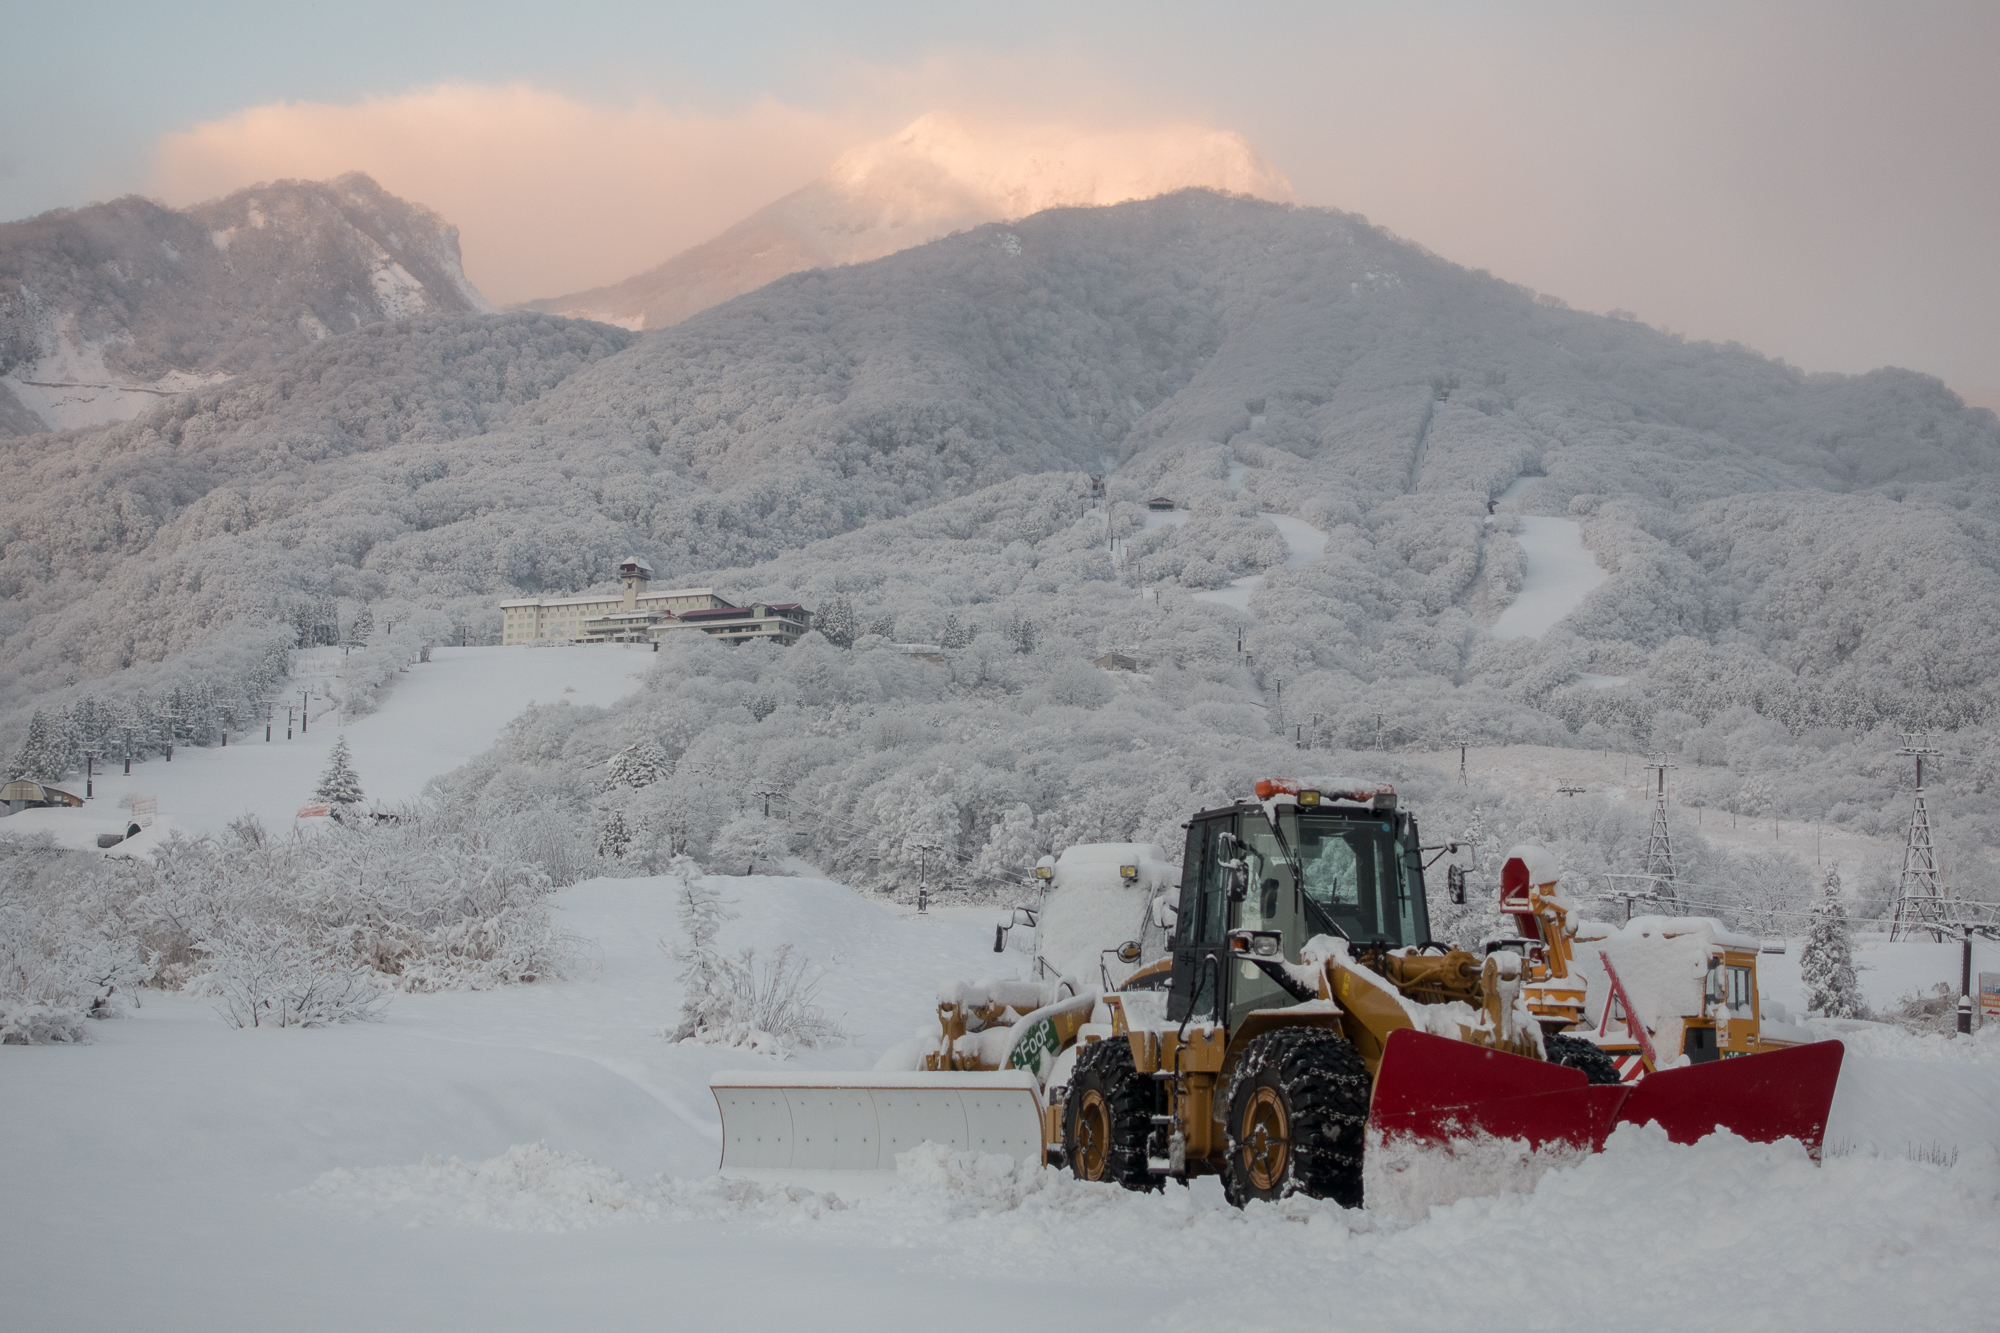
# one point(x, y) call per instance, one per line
point(707, 999)
point(340, 784)
point(1827, 963)
point(837, 622)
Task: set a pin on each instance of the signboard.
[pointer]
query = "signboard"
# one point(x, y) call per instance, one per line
point(1989, 996)
point(144, 808)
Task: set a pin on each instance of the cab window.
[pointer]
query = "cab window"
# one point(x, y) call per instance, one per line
point(1742, 992)
point(1351, 873)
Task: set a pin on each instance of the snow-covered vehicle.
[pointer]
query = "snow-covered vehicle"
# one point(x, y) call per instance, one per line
point(1103, 912)
point(1301, 1020)
point(1687, 983)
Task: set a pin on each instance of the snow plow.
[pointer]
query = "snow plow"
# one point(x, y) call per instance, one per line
point(1301, 1026)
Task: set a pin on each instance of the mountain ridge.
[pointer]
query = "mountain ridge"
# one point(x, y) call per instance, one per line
point(109, 308)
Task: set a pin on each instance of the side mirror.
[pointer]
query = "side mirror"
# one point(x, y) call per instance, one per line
point(1454, 883)
point(1239, 883)
point(1128, 952)
point(1166, 913)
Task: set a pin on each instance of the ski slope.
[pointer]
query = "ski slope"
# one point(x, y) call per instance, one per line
point(1561, 572)
point(437, 715)
point(1303, 542)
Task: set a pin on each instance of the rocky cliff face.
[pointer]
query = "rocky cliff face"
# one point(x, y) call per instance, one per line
point(105, 310)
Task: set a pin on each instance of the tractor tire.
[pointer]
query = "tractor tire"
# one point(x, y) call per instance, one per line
point(1108, 1117)
point(1576, 1053)
point(1298, 1112)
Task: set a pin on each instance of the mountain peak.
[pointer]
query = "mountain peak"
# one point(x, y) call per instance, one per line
point(939, 174)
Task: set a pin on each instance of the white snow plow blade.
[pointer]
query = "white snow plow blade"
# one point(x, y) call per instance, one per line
point(822, 1130)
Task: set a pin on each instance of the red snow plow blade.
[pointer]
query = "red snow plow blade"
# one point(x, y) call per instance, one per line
point(1435, 1090)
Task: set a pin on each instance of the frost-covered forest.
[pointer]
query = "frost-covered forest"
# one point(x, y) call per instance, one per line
point(1800, 565)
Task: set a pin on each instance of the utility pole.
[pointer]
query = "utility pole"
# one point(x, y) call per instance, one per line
point(1965, 984)
point(267, 722)
point(305, 698)
point(1378, 731)
point(1920, 898)
point(1461, 742)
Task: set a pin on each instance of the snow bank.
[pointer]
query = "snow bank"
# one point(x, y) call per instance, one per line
point(1859, 1238)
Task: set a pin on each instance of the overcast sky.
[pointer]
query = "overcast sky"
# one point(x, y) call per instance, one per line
point(1819, 181)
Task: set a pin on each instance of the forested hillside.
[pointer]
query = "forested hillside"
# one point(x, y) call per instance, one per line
point(107, 309)
point(1814, 555)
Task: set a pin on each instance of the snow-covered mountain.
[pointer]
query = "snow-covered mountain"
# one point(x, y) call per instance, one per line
point(1795, 562)
point(106, 310)
point(940, 174)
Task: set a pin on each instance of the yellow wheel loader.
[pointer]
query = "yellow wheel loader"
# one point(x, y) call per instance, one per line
point(1301, 1023)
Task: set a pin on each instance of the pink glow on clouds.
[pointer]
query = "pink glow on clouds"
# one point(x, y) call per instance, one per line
point(549, 194)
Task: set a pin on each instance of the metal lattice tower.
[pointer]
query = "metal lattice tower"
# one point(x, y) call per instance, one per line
point(1660, 846)
point(1920, 899)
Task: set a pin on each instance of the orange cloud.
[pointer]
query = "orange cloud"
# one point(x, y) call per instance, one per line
point(549, 194)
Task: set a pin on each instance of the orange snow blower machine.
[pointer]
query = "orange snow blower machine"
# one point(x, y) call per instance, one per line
point(1302, 1026)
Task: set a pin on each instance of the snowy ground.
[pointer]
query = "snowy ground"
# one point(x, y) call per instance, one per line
point(435, 717)
point(179, 1173)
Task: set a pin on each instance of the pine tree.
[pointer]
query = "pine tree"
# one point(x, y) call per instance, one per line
point(884, 625)
point(31, 761)
point(954, 635)
point(707, 998)
point(1827, 962)
point(836, 622)
point(638, 765)
point(364, 624)
point(614, 835)
point(340, 784)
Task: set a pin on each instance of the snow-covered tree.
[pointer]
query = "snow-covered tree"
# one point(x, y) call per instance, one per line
point(613, 834)
point(42, 755)
point(836, 622)
point(339, 785)
point(639, 765)
point(954, 635)
point(757, 844)
point(364, 624)
point(884, 625)
point(1826, 964)
point(706, 976)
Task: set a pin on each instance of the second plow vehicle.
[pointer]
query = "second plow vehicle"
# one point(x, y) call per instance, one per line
point(1277, 1013)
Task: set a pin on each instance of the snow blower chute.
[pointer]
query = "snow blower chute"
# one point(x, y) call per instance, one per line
point(1302, 1023)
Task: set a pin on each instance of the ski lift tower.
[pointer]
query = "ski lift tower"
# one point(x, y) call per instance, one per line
point(1660, 847)
point(1920, 899)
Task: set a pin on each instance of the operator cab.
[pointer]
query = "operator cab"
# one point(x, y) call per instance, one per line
point(1305, 859)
